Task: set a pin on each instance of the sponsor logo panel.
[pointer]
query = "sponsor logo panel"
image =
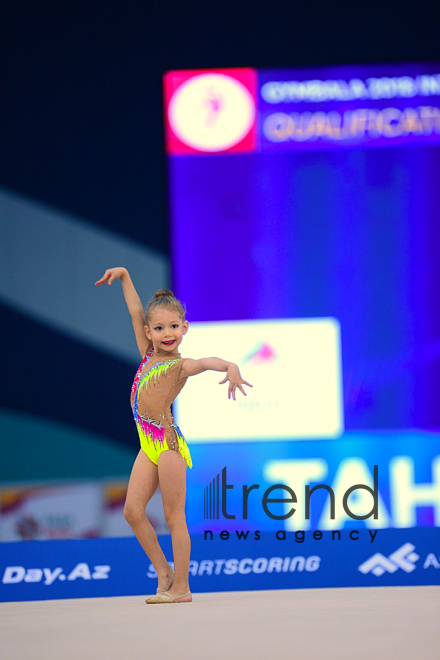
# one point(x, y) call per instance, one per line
point(86, 568)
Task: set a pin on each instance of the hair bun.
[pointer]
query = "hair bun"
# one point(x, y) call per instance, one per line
point(163, 292)
point(162, 299)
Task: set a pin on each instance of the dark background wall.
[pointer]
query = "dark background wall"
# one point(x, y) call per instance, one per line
point(81, 113)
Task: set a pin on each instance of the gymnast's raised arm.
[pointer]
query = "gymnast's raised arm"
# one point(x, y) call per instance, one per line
point(133, 303)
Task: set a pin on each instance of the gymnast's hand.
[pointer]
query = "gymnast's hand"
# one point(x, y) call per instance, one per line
point(235, 380)
point(111, 274)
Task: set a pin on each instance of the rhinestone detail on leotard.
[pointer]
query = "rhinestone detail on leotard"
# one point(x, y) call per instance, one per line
point(149, 428)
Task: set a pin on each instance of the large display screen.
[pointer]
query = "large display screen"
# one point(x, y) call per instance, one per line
point(312, 194)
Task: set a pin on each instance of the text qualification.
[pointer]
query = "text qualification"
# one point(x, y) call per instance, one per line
point(351, 126)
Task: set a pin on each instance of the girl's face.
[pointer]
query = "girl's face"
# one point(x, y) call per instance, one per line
point(166, 329)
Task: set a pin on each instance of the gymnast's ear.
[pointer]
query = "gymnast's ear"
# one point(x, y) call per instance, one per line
point(185, 327)
point(147, 331)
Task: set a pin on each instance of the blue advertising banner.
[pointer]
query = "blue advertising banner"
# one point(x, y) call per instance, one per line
point(42, 570)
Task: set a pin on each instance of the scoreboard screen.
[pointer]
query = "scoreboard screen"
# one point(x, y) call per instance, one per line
point(308, 200)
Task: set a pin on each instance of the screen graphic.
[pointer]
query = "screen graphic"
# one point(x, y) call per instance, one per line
point(210, 111)
point(213, 111)
point(294, 368)
point(374, 105)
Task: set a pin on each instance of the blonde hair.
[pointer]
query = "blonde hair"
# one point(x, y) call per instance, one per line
point(165, 298)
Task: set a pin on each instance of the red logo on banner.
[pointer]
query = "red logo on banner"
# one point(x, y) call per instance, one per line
point(210, 111)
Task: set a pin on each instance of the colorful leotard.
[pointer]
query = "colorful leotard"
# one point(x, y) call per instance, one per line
point(156, 384)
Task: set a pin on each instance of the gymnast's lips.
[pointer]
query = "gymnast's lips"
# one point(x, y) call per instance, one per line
point(168, 343)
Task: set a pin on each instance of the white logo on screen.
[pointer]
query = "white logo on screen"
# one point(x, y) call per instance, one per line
point(211, 112)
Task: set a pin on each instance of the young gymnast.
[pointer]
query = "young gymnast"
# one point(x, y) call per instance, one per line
point(164, 454)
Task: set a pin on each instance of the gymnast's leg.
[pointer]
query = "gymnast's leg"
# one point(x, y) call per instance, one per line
point(172, 478)
point(143, 483)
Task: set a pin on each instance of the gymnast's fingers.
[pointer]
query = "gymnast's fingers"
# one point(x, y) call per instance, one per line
point(103, 278)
